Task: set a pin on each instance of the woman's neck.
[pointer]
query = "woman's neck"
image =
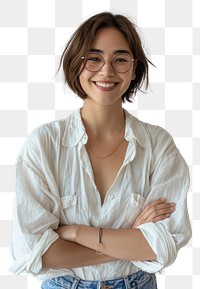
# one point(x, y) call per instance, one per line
point(103, 120)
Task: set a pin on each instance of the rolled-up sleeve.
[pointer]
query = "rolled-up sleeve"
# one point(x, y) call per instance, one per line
point(36, 211)
point(169, 179)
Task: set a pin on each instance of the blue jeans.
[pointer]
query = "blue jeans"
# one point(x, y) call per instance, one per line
point(139, 280)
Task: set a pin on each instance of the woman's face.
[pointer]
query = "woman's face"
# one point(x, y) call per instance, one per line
point(106, 86)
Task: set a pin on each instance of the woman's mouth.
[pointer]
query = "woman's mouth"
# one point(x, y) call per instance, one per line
point(105, 85)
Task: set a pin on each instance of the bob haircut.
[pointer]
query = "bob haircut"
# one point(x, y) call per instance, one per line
point(82, 40)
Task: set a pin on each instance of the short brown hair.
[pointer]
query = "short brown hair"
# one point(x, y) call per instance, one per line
point(81, 42)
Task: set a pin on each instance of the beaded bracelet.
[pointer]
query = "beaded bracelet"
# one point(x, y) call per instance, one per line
point(100, 244)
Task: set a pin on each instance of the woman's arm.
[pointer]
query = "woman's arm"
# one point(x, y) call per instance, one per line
point(127, 244)
point(65, 254)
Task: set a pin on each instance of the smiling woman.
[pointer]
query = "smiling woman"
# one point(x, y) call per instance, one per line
point(82, 42)
point(104, 194)
point(112, 75)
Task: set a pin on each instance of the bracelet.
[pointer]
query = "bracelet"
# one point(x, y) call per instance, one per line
point(100, 244)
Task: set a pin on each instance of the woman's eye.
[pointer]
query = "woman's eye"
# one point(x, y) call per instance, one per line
point(121, 60)
point(94, 59)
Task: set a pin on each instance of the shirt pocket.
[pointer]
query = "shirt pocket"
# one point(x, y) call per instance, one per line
point(69, 206)
point(136, 203)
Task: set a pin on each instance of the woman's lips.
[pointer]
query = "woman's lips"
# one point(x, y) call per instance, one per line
point(105, 85)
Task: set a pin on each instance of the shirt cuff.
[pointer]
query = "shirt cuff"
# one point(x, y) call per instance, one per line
point(32, 261)
point(163, 245)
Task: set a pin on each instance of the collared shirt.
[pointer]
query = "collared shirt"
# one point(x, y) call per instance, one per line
point(55, 185)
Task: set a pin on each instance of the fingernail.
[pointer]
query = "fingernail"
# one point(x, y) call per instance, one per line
point(173, 204)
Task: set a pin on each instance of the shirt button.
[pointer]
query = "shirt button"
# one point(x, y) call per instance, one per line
point(112, 196)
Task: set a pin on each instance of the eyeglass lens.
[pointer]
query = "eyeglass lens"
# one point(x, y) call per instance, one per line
point(120, 62)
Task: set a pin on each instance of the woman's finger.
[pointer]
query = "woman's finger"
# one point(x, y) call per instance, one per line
point(161, 217)
point(156, 208)
point(159, 211)
point(155, 211)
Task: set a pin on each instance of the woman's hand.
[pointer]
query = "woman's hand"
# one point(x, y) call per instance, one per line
point(155, 211)
point(67, 233)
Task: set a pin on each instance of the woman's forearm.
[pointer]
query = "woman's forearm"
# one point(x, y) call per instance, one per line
point(127, 244)
point(65, 254)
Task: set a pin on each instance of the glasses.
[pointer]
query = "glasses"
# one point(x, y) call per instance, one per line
point(121, 63)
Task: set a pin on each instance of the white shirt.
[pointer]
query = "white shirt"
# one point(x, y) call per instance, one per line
point(55, 185)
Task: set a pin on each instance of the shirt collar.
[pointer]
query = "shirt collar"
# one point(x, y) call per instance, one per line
point(74, 130)
point(135, 130)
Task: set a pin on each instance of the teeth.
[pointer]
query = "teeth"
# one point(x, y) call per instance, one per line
point(103, 84)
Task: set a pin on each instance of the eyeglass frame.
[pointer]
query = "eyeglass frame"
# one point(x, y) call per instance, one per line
point(104, 61)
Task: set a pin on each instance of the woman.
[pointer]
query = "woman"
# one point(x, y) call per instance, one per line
point(101, 196)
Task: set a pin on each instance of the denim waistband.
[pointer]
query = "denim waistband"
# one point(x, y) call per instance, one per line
point(142, 279)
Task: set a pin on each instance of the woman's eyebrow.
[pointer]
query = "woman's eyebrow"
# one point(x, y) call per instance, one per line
point(119, 51)
point(96, 50)
point(122, 51)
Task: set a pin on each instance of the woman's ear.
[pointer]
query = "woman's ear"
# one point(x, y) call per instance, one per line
point(134, 69)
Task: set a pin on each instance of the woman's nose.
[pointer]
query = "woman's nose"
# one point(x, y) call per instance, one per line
point(107, 69)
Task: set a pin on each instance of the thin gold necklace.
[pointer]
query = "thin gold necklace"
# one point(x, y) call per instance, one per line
point(110, 154)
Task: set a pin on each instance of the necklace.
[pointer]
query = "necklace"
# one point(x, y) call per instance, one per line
point(110, 154)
